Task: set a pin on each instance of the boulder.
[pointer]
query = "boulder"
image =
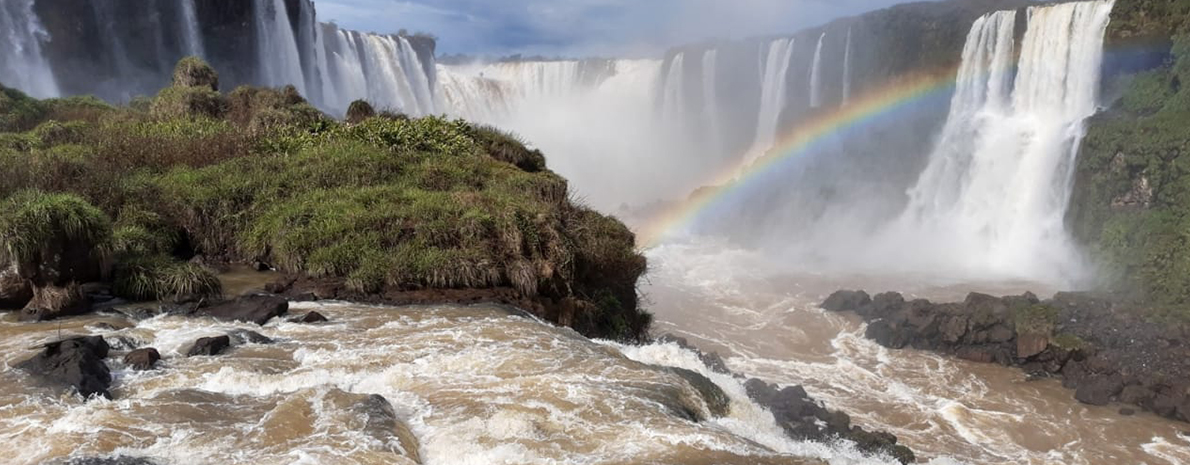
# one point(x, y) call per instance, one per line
point(311, 317)
point(142, 359)
point(15, 291)
point(51, 302)
point(1098, 390)
point(257, 309)
point(846, 301)
point(76, 362)
point(1030, 344)
point(243, 336)
point(887, 302)
point(117, 460)
point(717, 401)
point(889, 334)
point(209, 346)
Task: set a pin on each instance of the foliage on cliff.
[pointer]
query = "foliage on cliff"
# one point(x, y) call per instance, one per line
point(1131, 201)
point(386, 203)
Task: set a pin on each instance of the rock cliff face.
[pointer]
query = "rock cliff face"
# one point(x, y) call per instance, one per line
point(1105, 350)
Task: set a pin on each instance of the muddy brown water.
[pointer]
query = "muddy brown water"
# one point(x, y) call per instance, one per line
point(768, 324)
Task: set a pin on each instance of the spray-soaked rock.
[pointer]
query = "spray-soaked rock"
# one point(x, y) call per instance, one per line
point(142, 359)
point(257, 309)
point(76, 363)
point(311, 317)
point(209, 346)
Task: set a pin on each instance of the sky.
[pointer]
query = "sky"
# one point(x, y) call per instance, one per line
point(580, 28)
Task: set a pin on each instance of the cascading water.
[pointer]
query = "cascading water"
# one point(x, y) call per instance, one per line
point(994, 194)
point(775, 70)
point(22, 64)
point(710, 98)
point(847, 69)
point(673, 90)
point(280, 62)
point(816, 75)
point(192, 36)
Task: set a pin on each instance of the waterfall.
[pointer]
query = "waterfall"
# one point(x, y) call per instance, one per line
point(192, 35)
point(280, 62)
point(419, 81)
point(22, 64)
point(774, 73)
point(996, 187)
point(847, 69)
point(673, 90)
point(816, 75)
point(710, 98)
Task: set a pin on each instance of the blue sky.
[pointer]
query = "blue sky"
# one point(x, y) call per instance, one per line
point(584, 27)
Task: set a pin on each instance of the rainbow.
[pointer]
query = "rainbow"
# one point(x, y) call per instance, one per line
point(802, 139)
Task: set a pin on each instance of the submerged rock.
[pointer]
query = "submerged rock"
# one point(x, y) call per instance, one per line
point(717, 401)
point(257, 309)
point(142, 359)
point(117, 460)
point(209, 346)
point(243, 336)
point(51, 302)
point(76, 362)
point(311, 317)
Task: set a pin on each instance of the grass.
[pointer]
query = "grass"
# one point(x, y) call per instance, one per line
point(384, 202)
point(1035, 319)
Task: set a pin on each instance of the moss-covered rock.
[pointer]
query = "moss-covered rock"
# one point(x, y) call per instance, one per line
point(359, 110)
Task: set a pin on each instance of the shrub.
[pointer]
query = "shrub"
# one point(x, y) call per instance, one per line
point(507, 148)
point(19, 112)
point(158, 277)
point(58, 234)
point(188, 102)
point(194, 72)
point(359, 110)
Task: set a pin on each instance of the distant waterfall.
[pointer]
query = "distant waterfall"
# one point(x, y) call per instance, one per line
point(22, 64)
point(847, 69)
point(816, 75)
point(280, 62)
point(192, 36)
point(996, 188)
point(774, 72)
point(673, 90)
point(710, 98)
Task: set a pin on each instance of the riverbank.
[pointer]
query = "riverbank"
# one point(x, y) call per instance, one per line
point(1106, 351)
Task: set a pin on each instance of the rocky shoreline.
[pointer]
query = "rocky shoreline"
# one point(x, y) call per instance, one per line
point(1106, 351)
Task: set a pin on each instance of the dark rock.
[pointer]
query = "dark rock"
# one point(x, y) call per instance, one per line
point(261, 266)
point(142, 359)
point(15, 291)
point(1125, 411)
point(257, 309)
point(1099, 390)
point(209, 346)
point(123, 343)
point(1136, 395)
point(1028, 345)
point(76, 362)
point(311, 317)
point(846, 301)
point(243, 336)
point(889, 334)
point(717, 401)
point(887, 302)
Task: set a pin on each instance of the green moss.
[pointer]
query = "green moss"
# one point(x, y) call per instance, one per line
point(1035, 319)
point(1068, 341)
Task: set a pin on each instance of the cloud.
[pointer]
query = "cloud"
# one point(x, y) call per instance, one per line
point(585, 27)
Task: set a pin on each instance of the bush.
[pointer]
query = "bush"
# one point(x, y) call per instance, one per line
point(359, 110)
point(188, 102)
point(63, 233)
point(507, 148)
point(158, 277)
point(194, 72)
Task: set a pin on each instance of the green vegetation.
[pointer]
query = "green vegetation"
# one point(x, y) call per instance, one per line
point(386, 203)
point(359, 110)
point(1035, 319)
point(1067, 341)
point(1131, 202)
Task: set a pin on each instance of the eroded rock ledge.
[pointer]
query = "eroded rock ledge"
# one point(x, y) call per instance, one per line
point(1103, 350)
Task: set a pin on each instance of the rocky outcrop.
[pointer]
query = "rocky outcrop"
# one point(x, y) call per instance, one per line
point(142, 359)
point(257, 309)
point(802, 417)
point(51, 302)
point(717, 401)
point(243, 336)
point(76, 363)
point(209, 346)
point(1106, 351)
point(311, 317)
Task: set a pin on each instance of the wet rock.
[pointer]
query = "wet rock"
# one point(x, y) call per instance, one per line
point(123, 343)
point(717, 401)
point(311, 317)
point(243, 336)
point(1099, 390)
point(885, 303)
point(1125, 411)
point(1136, 395)
point(76, 362)
point(889, 333)
point(142, 359)
point(846, 301)
point(209, 346)
point(374, 416)
point(51, 302)
point(15, 291)
point(1028, 345)
point(261, 266)
point(711, 359)
point(257, 309)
